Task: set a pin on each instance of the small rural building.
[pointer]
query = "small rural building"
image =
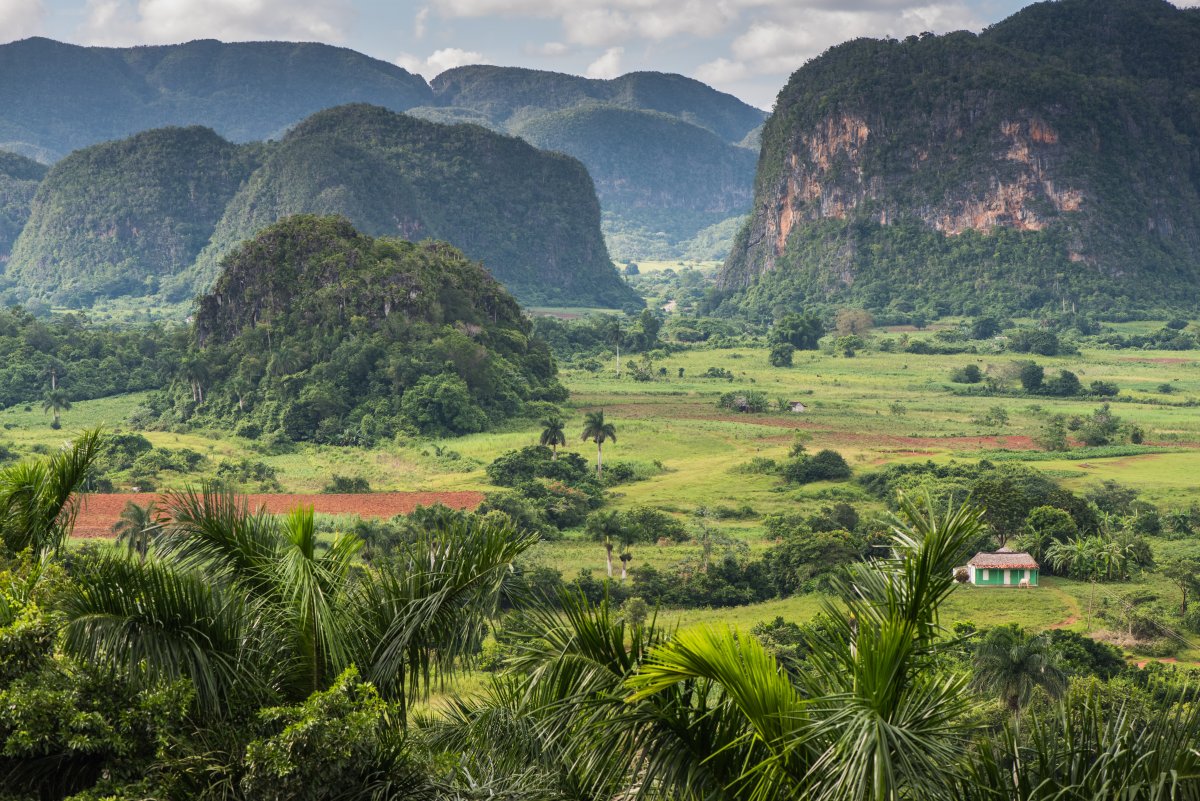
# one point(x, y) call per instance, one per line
point(1003, 568)
point(798, 407)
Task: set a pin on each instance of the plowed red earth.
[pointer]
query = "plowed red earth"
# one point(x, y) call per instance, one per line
point(99, 512)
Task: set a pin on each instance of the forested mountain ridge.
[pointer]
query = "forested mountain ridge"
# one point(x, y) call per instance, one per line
point(120, 217)
point(309, 307)
point(665, 151)
point(57, 97)
point(19, 179)
point(509, 96)
point(157, 212)
point(1054, 158)
point(531, 216)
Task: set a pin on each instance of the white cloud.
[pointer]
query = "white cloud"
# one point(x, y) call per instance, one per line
point(158, 21)
point(548, 50)
point(608, 65)
point(421, 23)
point(439, 61)
point(20, 18)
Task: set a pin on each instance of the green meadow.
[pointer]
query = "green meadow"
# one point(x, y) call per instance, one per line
point(875, 408)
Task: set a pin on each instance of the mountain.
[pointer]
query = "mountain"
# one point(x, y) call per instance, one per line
point(660, 180)
point(119, 218)
point(159, 211)
point(669, 155)
point(530, 216)
point(317, 332)
point(56, 97)
point(19, 179)
point(1052, 160)
point(510, 96)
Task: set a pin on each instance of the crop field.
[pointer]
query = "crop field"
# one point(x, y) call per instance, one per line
point(875, 408)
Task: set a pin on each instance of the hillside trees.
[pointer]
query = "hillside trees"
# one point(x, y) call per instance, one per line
point(320, 333)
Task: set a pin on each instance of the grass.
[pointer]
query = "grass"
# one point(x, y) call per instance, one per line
point(876, 408)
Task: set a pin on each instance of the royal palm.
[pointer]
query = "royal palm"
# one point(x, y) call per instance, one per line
point(598, 431)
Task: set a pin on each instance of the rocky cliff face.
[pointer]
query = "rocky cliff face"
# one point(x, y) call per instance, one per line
point(892, 169)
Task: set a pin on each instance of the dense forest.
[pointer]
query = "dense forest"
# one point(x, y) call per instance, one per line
point(315, 331)
point(1017, 168)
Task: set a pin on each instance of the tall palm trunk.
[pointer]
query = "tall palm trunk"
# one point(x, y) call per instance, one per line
point(608, 549)
point(599, 458)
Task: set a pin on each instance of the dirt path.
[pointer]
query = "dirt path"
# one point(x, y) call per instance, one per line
point(99, 512)
point(1071, 603)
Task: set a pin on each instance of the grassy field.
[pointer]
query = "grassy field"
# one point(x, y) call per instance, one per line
point(875, 408)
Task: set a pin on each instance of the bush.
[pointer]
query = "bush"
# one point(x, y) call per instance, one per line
point(970, 374)
point(781, 355)
point(747, 401)
point(346, 485)
point(824, 465)
point(1105, 389)
point(1031, 376)
point(537, 461)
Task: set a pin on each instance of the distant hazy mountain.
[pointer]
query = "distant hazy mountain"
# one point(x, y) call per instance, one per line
point(1052, 160)
point(670, 156)
point(55, 97)
point(158, 211)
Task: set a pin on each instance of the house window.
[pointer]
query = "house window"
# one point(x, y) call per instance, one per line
point(985, 574)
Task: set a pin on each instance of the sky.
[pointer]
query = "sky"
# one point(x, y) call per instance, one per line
point(745, 47)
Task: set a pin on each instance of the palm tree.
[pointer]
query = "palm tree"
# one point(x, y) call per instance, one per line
point(1011, 664)
point(137, 527)
point(250, 604)
point(552, 435)
point(595, 429)
point(39, 500)
point(707, 713)
point(56, 401)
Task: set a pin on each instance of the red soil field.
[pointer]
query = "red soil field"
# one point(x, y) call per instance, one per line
point(99, 512)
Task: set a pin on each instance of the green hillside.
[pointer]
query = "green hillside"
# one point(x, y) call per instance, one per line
point(56, 97)
point(658, 177)
point(117, 218)
point(1052, 160)
point(531, 217)
point(19, 179)
point(429, 341)
point(155, 213)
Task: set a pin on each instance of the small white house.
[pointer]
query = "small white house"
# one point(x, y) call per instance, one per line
point(1003, 568)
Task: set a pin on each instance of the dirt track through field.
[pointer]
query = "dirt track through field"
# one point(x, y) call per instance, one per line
point(99, 512)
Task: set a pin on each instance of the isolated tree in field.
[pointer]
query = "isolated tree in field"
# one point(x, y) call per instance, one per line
point(136, 527)
point(598, 431)
point(1012, 664)
point(1184, 574)
point(56, 401)
point(851, 322)
point(552, 435)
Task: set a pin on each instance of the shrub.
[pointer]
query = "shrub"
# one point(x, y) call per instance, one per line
point(537, 461)
point(825, 465)
point(1105, 389)
point(970, 374)
point(781, 355)
point(344, 485)
point(748, 401)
